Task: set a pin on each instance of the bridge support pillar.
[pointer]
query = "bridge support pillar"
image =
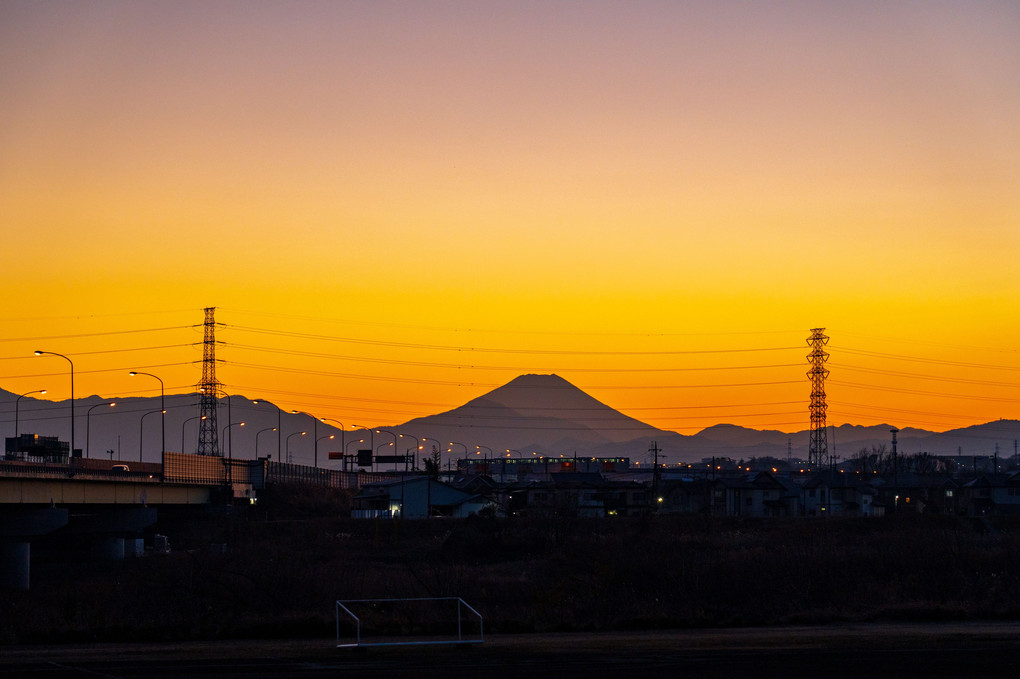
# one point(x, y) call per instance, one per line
point(17, 527)
point(15, 565)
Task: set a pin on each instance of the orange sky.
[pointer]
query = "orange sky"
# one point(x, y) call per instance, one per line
point(637, 178)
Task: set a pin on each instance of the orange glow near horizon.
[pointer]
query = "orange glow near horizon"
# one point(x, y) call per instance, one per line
point(414, 203)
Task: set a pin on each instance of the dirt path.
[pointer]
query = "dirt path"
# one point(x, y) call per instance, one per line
point(951, 650)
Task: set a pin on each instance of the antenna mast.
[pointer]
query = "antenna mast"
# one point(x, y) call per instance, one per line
point(818, 448)
point(208, 443)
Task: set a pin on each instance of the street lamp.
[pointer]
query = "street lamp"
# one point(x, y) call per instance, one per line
point(438, 446)
point(257, 439)
point(141, 424)
point(39, 352)
point(162, 407)
point(417, 447)
point(279, 428)
point(88, 425)
point(290, 458)
point(457, 443)
point(386, 431)
point(345, 451)
point(371, 434)
point(342, 431)
point(488, 449)
point(315, 434)
point(185, 424)
point(18, 401)
point(230, 448)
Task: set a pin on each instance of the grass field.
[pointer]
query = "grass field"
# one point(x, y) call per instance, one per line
point(243, 577)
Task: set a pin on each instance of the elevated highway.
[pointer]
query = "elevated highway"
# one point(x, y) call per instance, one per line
point(110, 504)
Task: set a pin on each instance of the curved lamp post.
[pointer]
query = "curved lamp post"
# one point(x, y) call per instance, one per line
point(141, 425)
point(417, 447)
point(315, 434)
point(343, 445)
point(347, 455)
point(279, 427)
point(290, 458)
point(162, 407)
point(386, 431)
point(88, 426)
point(40, 352)
point(323, 438)
point(371, 434)
point(230, 448)
point(185, 424)
point(17, 401)
point(257, 439)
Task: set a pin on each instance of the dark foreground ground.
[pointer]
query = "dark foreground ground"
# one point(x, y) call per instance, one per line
point(866, 650)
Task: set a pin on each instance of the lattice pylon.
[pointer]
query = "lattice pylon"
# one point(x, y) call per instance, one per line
point(210, 388)
point(818, 446)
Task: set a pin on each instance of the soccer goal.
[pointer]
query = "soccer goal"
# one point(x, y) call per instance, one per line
point(407, 622)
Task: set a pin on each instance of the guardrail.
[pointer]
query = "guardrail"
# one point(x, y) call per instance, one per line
point(395, 613)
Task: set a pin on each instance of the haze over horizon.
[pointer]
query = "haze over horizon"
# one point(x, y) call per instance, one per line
point(398, 206)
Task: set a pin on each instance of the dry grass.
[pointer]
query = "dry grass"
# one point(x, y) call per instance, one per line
point(278, 579)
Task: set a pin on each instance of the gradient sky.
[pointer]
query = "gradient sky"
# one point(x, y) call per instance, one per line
point(570, 177)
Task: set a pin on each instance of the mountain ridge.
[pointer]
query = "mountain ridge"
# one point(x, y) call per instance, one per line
point(542, 414)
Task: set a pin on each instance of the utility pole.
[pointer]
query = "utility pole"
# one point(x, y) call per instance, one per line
point(654, 450)
point(818, 446)
point(895, 471)
point(208, 441)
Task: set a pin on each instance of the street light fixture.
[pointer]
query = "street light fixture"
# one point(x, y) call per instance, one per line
point(290, 458)
point(386, 431)
point(162, 407)
point(88, 425)
point(371, 434)
point(185, 424)
point(40, 352)
point(257, 439)
point(18, 401)
point(230, 448)
point(315, 433)
point(141, 424)
point(417, 447)
point(279, 427)
point(342, 431)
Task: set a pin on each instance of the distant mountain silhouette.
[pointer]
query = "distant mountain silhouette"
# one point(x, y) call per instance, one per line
point(532, 413)
point(543, 413)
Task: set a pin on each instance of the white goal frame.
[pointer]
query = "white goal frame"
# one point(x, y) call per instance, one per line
point(464, 610)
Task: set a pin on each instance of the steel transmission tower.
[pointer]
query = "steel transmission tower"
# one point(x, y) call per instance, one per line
point(208, 442)
point(818, 446)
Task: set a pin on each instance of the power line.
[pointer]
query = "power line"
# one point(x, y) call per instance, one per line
point(108, 351)
point(325, 373)
point(550, 352)
point(503, 331)
point(98, 370)
point(544, 408)
point(895, 373)
point(458, 366)
point(94, 334)
point(918, 359)
point(919, 393)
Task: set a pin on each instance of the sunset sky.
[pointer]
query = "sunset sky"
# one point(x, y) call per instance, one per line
point(398, 206)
